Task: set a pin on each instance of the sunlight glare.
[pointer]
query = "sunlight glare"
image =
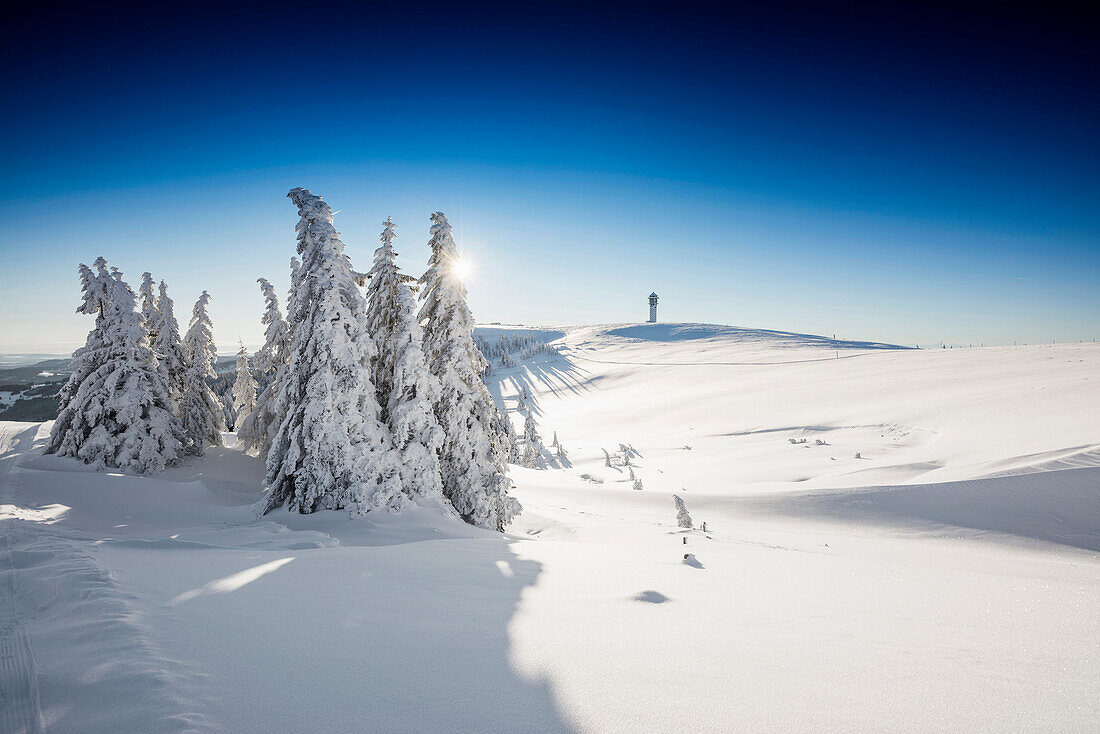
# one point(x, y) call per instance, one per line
point(463, 268)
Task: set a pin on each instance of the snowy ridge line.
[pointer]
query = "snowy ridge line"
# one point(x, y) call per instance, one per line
point(20, 705)
point(567, 352)
point(1078, 457)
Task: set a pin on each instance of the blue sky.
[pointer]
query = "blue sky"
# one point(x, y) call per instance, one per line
point(901, 175)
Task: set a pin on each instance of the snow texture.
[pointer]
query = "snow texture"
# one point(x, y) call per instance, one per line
point(947, 581)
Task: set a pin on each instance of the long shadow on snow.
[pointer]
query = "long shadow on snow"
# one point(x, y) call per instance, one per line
point(376, 634)
point(1060, 507)
point(395, 638)
point(554, 374)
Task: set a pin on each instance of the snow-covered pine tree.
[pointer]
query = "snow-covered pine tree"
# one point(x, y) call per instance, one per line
point(256, 430)
point(683, 519)
point(201, 411)
point(474, 453)
point(171, 360)
point(148, 307)
point(382, 312)
point(331, 450)
point(510, 437)
point(115, 408)
point(244, 388)
point(276, 332)
point(532, 444)
point(406, 389)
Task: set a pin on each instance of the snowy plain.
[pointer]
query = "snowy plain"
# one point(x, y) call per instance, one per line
point(947, 579)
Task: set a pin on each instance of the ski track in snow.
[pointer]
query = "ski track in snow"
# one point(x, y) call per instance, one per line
point(20, 708)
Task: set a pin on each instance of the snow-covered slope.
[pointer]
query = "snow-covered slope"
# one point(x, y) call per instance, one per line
point(949, 578)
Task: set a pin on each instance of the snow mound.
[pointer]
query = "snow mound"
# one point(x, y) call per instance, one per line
point(1060, 507)
point(777, 339)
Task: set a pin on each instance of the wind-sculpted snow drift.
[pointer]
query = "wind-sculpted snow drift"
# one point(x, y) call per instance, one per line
point(946, 579)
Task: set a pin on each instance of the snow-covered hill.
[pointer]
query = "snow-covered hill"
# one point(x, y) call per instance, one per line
point(947, 578)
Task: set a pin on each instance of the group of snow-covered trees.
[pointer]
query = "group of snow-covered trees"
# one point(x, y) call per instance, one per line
point(138, 398)
point(368, 402)
point(372, 402)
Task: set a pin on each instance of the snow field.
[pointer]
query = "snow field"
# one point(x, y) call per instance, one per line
point(950, 579)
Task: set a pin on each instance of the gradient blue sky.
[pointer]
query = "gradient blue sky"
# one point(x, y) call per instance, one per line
point(883, 172)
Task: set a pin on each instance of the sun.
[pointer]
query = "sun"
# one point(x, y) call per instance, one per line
point(463, 268)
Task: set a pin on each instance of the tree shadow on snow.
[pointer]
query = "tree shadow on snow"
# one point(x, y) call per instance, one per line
point(407, 638)
point(554, 374)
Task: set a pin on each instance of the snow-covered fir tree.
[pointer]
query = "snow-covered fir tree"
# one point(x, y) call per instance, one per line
point(474, 451)
point(276, 332)
point(201, 411)
point(115, 408)
point(244, 388)
point(171, 360)
point(683, 519)
point(148, 307)
point(256, 430)
point(510, 437)
point(532, 444)
point(406, 389)
point(331, 450)
point(383, 312)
